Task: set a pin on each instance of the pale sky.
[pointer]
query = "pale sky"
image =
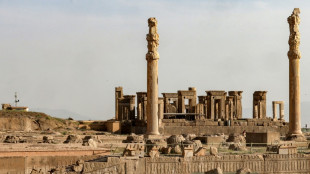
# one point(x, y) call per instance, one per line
point(69, 55)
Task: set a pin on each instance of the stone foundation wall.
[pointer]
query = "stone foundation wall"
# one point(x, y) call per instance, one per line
point(261, 164)
point(211, 130)
point(182, 126)
point(24, 165)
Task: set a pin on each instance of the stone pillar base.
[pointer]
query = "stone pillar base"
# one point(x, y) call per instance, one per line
point(296, 137)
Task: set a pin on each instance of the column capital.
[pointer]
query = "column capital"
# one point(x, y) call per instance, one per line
point(294, 39)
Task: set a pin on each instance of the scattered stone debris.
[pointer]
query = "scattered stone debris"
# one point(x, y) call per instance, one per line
point(272, 148)
point(13, 139)
point(58, 170)
point(189, 137)
point(154, 142)
point(154, 152)
point(238, 142)
point(133, 138)
point(48, 139)
point(196, 144)
point(78, 167)
point(134, 150)
point(166, 150)
point(176, 149)
point(35, 171)
point(89, 141)
point(73, 139)
point(174, 140)
point(218, 170)
point(244, 170)
point(237, 147)
point(236, 138)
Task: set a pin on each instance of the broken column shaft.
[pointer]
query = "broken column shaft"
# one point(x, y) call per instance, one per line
point(152, 57)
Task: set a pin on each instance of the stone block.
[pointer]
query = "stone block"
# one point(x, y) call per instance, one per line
point(188, 151)
point(113, 126)
point(213, 151)
point(265, 138)
point(287, 150)
point(215, 140)
point(200, 152)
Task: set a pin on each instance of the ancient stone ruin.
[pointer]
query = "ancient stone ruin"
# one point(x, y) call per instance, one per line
point(178, 132)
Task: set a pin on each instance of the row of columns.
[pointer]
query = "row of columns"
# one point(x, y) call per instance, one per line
point(259, 103)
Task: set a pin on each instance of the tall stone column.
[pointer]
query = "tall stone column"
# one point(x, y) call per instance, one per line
point(118, 95)
point(281, 111)
point(160, 110)
point(274, 110)
point(294, 82)
point(152, 57)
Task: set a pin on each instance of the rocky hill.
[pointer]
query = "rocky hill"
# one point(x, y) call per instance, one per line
point(32, 121)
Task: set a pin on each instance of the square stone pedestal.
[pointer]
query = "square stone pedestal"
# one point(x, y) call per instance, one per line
point(298, 140)
point(296, 137)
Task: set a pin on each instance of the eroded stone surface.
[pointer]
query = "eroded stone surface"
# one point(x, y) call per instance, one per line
point(73, 139)
point(213, 151)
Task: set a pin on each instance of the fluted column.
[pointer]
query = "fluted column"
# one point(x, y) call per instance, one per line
point(152, 78)
point(294, 84)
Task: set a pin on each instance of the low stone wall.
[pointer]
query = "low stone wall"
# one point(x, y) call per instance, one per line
point(211, 130)
point(24, 165)
point(53, 153)
point(182, 126)
point(261, 164)
point(14, 165)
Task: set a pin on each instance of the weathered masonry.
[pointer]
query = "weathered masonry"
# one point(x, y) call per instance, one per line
point(261, 164)
point(215, 112)
point(180, 111)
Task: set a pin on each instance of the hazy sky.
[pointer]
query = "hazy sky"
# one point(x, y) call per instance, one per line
point(69, 55)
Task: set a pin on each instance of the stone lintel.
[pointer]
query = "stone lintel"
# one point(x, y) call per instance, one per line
point(260, 92)
point(216, 92)
point(186, 93)
point(170, 95)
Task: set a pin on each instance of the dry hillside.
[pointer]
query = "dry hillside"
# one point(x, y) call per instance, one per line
point(32, 121)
